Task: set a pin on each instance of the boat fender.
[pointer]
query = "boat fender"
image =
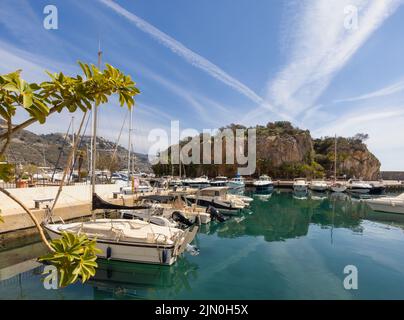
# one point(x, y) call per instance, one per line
point(165, 255)
point(178, 216)
point(109, 253)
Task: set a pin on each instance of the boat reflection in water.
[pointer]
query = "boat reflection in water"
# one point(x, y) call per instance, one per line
point(123, 280)
point(288, 218)
point(21, 277)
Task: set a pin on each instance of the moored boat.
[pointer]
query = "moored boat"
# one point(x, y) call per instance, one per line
point(236, 183)
point(264, 183)
point(130, 240)
point(217, 197)
point(300, 185)
point(387, 204)
point(318, 185)
point(358, 186)
point(219, 181)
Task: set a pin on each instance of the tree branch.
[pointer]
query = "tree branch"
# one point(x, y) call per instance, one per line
point(33, 218)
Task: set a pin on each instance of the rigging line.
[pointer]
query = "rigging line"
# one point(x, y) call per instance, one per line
point(79, 146)
point(61, 151)
point(69, 160)
point(117, 142)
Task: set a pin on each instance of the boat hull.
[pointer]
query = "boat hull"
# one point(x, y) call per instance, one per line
point(338, 189)
point(130, 252)
point(318, 188)
point(300, 188)
point(359, 190)
point(391, 207)
point(235, 185)
point(264, 187)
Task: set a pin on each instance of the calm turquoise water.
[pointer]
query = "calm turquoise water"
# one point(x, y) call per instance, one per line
point(284, 247)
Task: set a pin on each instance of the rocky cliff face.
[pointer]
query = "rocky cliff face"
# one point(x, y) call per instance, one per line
point(279, 149)
point(284, 151)
point(361, 164)
point(353, 158)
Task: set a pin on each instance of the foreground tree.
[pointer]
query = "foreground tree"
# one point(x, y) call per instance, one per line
point(73, 255)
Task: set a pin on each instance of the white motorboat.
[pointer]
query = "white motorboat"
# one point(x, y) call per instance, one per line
point(130, 240)
point(199, 183)
point(236, 183)
point(173, 182)
point(358, 186)
point(245, 199)
point(217, 197)
point(219, 181)
point(264, 183)
point(338, 187)
point(318, 185)
point(138, 185)
point(387, 204)
point(300, 185)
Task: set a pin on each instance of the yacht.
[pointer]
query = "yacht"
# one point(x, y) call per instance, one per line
point(338, 187)
point(318, 185)
point(358, 186)
point(387, 204)
point(236, 183)
point(130, 240)
point(198, 183)
point(218, 198)
point(300, 185)
point(264, 183)
point(219, 181)
point(138, 186)
point(173, 182)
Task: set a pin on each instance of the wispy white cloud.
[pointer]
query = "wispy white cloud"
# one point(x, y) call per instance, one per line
point(386, 91)
point(321, 47)
point(384, 125)
point(181, 50)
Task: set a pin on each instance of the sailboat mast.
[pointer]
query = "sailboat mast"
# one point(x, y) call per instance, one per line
point(94, 138)
point(73, 137)
point(335, 159)
point(180, 164)
point(130, 146)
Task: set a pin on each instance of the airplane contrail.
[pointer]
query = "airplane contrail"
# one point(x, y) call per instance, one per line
point(179, 49)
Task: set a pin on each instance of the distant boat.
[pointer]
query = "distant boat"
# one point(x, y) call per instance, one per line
point(387, 204)
point(318, 185)
point(377, 187)
point(236, 183)
point(219, 181)
point(338, 187)
point(200, 183)
point(264, 183)
point(358, 186)
point(300, 185)
point(218, 198)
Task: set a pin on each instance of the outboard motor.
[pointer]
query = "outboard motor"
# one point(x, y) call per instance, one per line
point(179, 217)
point(215, 214)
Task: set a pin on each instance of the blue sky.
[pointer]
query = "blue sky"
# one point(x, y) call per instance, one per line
point(214, 62)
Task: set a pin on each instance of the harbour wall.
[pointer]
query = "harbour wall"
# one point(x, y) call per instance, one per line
point(74, 202)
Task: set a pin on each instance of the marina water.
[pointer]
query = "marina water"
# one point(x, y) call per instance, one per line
point(284, 246)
